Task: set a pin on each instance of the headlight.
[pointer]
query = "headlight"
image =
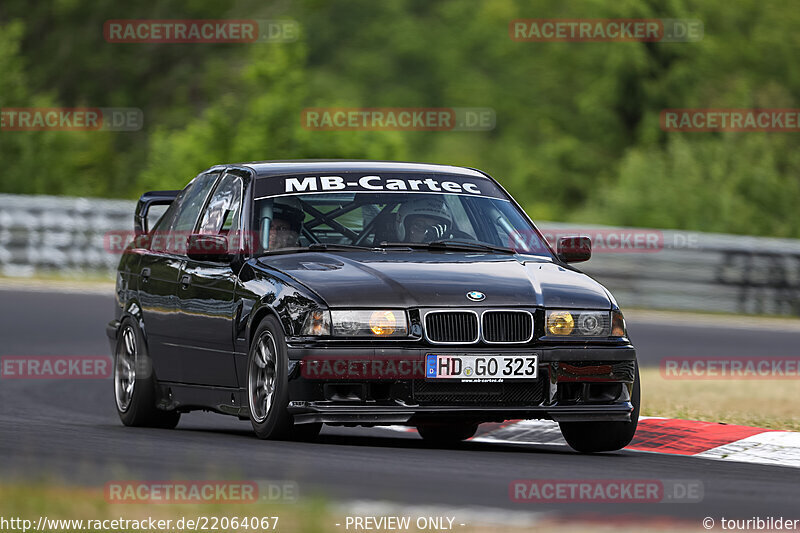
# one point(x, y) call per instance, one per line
point(578, 323)
point(377, 323)
point(317, 322)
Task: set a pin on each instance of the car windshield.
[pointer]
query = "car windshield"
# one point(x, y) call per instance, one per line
point(390, 219)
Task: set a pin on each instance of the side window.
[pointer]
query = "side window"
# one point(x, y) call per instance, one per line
point(192, 201)
point(159, 235)
point(165, 221)
point(222, 214)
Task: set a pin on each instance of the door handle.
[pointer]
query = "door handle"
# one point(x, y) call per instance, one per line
point(186, 280)
point(145, 274)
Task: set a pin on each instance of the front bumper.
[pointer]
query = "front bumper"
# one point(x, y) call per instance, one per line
point(309, 412)
point(575, 384)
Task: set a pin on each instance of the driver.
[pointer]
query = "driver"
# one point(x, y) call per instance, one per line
point(287, 223)
point(424, 220)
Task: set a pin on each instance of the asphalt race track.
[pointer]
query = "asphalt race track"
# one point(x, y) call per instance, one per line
point(68, 430)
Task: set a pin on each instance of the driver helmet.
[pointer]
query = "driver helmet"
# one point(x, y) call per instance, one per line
point(433, 211)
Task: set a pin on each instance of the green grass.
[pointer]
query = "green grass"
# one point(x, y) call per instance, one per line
point(31, 500)
point(760, 403)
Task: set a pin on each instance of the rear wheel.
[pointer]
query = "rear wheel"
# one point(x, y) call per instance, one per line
point(135, 383)
point(592, 437)
point(447, 431)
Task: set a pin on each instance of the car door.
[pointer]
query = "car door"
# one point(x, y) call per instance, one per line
point(160, 268)
point(205, 294)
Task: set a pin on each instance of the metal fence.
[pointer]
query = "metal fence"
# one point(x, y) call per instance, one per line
point(702, 272)
point(45, 235)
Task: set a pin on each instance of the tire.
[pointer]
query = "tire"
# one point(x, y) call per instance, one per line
point(447, 431)
point(593, 437)
point(267, 382)
point(135, 383)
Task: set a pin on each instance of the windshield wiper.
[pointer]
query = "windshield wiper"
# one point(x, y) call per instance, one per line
point(453, 243)
point(315, 246)
point(449, 245)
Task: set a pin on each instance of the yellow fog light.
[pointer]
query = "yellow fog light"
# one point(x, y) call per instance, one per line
point(382, 322)
point(560, 323)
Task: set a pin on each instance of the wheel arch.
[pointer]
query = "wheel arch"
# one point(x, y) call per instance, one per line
point(133, 310)
point(258, 315)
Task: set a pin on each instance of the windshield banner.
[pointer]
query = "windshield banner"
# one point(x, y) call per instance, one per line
point(377, 183)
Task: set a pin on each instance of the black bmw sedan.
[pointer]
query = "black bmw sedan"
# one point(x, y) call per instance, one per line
point(302, 293)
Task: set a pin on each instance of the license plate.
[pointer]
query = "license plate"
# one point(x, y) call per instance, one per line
point(447, 366)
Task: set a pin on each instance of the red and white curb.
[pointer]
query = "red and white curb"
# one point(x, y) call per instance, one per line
point(710, 440)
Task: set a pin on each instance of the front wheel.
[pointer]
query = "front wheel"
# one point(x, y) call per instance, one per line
point(592, 437)
point(267, 382)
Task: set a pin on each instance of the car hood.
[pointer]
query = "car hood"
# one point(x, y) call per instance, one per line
point(424, 279)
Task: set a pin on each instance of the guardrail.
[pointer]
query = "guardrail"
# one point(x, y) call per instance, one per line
point(45, 235)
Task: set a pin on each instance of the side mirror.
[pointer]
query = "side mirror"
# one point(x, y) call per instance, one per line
point(207, 247)
point(574, 249)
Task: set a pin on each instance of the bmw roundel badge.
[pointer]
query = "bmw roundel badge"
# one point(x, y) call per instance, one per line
point(476, 296)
